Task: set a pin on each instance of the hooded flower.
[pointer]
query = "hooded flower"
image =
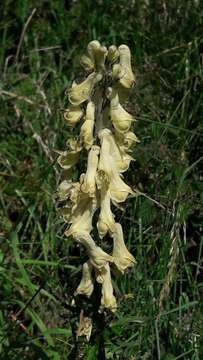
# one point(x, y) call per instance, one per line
point(81, 220)
point(87, 128)
point(123, 70)
point(120, 117)
point(79, 93)
point(87, 63)
point(123, 259)
point(106, 221)
point(126, 140)
point(88, 180)
point(86, 285)
point(107, 165)
point(97, 54)
point(119, 190)
point(72, 115)
point(98, 257)
point(70, 157)
point(108, 300)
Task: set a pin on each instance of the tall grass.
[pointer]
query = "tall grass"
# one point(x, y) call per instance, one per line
point(160, 302)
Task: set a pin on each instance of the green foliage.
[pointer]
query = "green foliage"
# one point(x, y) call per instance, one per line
point(38, 266)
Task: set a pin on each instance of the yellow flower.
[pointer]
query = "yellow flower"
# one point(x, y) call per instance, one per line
point(104, 161)
point(123, 70)
point(108, 300)
point(72, 115)
point(97, 54)
point(98, 258)
point(87, 128)
point(79, 93)
point(120, 117)
point(119, 190)
point(86, 285)
point(120, 157)
point(67, 159)
point(70, 157)
point(106, 221)
point(123, 259)
point(107, 165)
point(81, 220)
point(126, 140)
point(88, 180)
point(87, 63)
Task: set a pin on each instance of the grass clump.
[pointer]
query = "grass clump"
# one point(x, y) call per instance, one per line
point(160, 302)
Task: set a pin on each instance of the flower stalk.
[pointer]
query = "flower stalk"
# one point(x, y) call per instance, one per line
point(106, 138)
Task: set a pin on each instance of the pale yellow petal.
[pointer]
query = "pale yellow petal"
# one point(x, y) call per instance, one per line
point(87, 63)
point(72, 115)
point(123, 259)
point(108, 300)
point(81, 219)
point(121, 119)
point(88, 181)
point(97, 257)
point(67, 159)
point(86, 285)
point(126, 76)
point(97, 54)
point(106, 222)
point(79, 93)
point(87, 128)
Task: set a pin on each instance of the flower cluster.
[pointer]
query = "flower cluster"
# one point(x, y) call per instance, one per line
point(106, 138)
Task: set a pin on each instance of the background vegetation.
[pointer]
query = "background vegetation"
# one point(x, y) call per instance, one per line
point(160, 313)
